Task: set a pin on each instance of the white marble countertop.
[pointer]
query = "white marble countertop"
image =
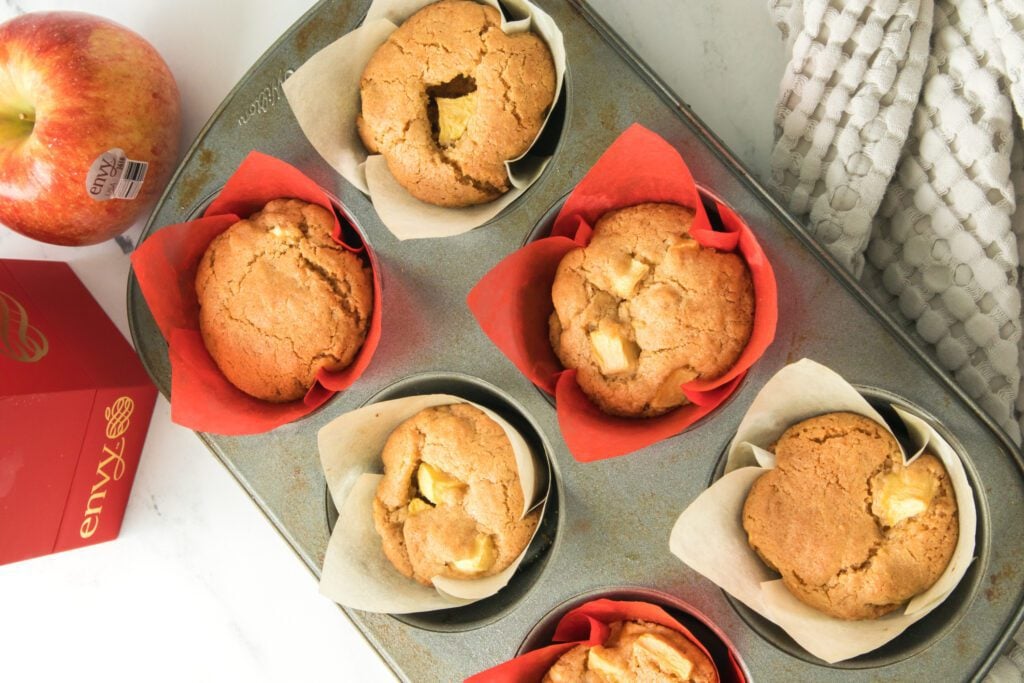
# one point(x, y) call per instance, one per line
point(199, 586)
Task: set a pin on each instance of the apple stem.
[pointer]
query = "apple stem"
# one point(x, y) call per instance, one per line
point(26, 117)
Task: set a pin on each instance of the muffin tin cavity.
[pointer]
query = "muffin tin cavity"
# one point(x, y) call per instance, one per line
point(923, 634)
point(709, 635)
point(477, 391)
point(352, 233)
point(542, 230)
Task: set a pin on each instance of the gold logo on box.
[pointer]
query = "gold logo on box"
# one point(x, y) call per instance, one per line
point(18, 339)
point(111, 465)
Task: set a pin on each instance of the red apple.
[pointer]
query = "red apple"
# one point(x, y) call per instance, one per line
point(74, 87)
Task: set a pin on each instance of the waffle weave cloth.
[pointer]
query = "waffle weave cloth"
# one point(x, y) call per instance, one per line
point(899, 143)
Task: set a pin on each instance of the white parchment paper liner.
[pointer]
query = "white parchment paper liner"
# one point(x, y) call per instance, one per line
point(324, 96)
point(709, 535)
point(356, 573)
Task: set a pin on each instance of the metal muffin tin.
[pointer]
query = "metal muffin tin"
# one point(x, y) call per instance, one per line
point(615, 515)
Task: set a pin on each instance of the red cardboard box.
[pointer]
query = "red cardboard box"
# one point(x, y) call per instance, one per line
point(75, 404)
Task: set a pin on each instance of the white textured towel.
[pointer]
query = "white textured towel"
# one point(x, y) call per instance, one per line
point(899, 141)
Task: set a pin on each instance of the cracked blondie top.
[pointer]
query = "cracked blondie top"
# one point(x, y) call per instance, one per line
point(450, 501)
point(853, 531)
point(449, 97)
point(279, 299)
point(645, 308)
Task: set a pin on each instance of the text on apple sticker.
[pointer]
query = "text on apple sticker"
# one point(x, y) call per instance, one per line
point(115, 176)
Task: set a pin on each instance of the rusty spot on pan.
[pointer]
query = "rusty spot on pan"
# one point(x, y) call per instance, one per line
point(994, 592)
point(197, 179)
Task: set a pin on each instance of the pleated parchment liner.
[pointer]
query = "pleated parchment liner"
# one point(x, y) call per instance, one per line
point(324, 96)
point(356, 572)
point(709, 535)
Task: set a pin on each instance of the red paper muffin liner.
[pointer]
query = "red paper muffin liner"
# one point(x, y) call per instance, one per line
point(165, 264)
point(512, 302)
point(588, 625)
